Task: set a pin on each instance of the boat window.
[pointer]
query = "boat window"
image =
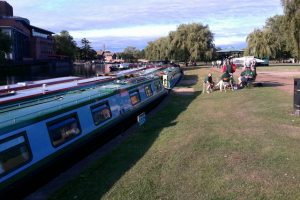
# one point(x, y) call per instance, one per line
point(14, 152)
point(100, 112)
point(148, 91)
point(157, 85)
point(134, 97)
point(64, 129)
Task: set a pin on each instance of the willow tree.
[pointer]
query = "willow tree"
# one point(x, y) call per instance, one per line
point(261, 43)
point(158, 50)
point(163, 49)
point(178, 44)
point(149, 51)
point(292, 18)
point(200, 42)
point(188, 42)
point(192, 42)
point(277, 27)
point(131, 54)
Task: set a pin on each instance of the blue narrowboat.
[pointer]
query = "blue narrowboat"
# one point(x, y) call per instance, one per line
point(33, 133)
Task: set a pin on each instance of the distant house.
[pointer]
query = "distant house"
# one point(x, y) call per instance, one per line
point(107, 56)
point(29, 42)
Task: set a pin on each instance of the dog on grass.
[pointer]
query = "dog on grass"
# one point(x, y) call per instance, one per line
point(225, 83)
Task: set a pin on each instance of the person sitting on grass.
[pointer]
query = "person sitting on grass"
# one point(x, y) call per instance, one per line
point(246, 76)
point(225, 77)
point(209, 83)
point(226, 80)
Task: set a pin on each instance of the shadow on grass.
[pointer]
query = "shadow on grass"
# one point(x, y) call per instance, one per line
point(188, 80)
point(190, 77)
point(95, 182)
point(194, 67)
point(271, 84)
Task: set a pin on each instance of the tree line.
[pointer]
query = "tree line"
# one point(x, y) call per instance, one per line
point(190, 42)
point(280, 37)
point(131, 54)
point(66, 45)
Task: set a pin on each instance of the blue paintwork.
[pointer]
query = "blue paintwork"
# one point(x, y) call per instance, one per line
point(117, 96)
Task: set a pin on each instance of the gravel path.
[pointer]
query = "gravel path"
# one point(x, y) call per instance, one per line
point(281, 80)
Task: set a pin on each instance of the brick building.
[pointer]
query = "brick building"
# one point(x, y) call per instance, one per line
point(6, 9)
point(29, 42)
point(107, 56)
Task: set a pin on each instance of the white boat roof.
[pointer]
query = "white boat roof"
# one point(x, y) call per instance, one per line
point(128, 71)
point(41, 90)
point(22, 85)
point(37, 88)
point(150, 70)
point(41, 82)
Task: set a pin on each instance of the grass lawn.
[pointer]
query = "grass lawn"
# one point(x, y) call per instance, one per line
point(235, 145)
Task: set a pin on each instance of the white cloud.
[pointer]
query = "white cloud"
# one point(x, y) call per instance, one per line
point(136, 31)
point(229, 20)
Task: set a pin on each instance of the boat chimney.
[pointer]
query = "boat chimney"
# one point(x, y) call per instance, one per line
point(44, 88)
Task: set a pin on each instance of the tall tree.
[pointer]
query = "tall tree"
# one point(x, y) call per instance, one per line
point(65, 44)
point(277, 27)
point(261, 43)
point(131, 54)
point(188, 42)
point(6, 44)
point(292, 18)
point(86, 50)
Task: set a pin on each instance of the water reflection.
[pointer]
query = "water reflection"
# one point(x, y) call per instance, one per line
point(90, 70)
point(11, 75)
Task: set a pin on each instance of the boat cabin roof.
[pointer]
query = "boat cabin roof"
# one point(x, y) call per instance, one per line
point(15, 115)
point(32, 89)
point(54, 88)
point(31, 84)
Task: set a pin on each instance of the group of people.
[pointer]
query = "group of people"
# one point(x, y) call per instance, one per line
point(247, 75)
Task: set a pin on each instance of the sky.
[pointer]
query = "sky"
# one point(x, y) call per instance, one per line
point(116, 24)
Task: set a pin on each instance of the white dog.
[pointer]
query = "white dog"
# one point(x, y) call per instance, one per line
point(222, 84)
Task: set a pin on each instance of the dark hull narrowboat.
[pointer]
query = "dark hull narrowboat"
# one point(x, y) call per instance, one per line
point(29, 135)
point(35, 133)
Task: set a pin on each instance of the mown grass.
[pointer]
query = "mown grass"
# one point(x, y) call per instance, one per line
point(235, 145)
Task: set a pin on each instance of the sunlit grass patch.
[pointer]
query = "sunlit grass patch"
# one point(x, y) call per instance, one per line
point(242, 144)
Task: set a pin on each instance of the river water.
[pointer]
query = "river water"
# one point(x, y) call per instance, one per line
point(38, 72)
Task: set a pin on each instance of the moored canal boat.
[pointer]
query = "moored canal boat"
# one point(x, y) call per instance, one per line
point(35, 133)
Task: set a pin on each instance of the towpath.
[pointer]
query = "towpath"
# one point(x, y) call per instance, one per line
point(283, 80)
